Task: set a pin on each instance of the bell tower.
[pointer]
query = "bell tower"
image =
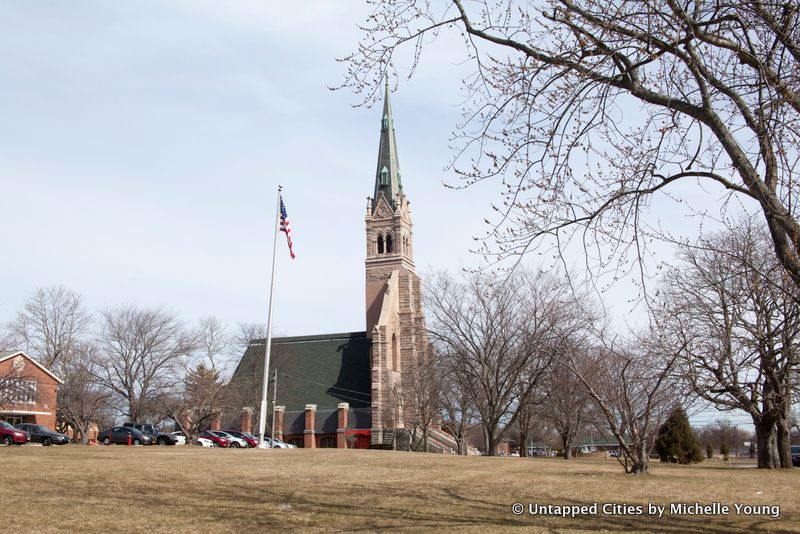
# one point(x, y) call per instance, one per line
point(390, 235)
point(394, 317)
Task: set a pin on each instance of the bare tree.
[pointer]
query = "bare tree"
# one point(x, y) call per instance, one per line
point(141, 350)
point(246, 333)
point(527, 420)
point(53, 328)
point(567, 406)
point(49, 327)
point(722, 432)
point(458, 413)
point(201, 394)
point(7, 339)
point(494, 335)
point(200, 400)
point(81, 401)
point(586, 110)
point(737, 318)
point(634, 389)
point(421, 399)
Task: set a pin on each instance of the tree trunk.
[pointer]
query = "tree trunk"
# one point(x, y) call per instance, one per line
point(491, 446)
point(491, 439)
point(782, 442)
point(783, 436)
point(523, 444)
point(640, 464)
point(425, 439)
point(635, 458)
point(765, 440)
point(566, 439)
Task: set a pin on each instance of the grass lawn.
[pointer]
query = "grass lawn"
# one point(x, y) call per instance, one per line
point(192, 489)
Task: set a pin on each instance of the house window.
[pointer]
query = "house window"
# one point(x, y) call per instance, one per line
point(17, 391)
point(380, 244)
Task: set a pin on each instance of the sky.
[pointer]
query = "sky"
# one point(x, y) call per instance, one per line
point(142, 144)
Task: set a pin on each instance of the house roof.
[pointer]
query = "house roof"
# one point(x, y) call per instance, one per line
point(12, 354)
point(323, 369)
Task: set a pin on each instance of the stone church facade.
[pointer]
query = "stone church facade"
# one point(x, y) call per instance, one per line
point(395, 322)
point(348, 389)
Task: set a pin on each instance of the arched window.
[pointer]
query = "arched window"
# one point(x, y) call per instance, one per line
point(384, 176)
point(395, 354)
point(380, 244)
point(388, 244)
point(327, 442)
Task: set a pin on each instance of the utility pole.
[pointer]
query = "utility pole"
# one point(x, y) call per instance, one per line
point(274, 398)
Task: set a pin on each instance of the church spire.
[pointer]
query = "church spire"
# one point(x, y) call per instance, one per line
point(387, 176)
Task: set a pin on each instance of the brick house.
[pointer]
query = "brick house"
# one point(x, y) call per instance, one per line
point(28, 390)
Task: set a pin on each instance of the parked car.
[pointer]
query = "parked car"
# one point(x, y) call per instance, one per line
point(205, 442)
point(278, 444)
point(119, 436)
point(10, 435)
point(42, 434)
point(250, 439)
point(180, 437)
point(795, 455)
point(233, 441)
point(218, 440)
point(162, 438)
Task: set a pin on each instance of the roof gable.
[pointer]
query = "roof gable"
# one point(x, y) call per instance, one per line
point(13, 354)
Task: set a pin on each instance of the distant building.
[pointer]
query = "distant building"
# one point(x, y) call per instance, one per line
point(346, 389)
point(28, 390)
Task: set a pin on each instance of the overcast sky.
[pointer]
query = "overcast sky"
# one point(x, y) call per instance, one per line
point(141, 145)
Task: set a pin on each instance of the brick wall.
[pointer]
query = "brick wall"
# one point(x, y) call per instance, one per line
point(42, 410)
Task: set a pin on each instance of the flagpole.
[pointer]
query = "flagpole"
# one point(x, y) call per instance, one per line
point(263, 416)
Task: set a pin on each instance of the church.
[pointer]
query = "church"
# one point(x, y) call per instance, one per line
point(345, 390)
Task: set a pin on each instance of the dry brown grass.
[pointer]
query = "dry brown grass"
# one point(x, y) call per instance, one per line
point(190, 489)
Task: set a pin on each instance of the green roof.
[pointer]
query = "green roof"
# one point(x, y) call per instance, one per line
point(324, 370)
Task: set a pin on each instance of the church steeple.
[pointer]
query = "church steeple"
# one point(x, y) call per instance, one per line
point(387, 175)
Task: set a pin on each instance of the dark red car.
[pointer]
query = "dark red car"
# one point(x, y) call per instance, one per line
point(216, 440)
point(251, 440)
point(10, 435)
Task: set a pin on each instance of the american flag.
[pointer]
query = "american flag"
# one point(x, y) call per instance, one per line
point(285, 227)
